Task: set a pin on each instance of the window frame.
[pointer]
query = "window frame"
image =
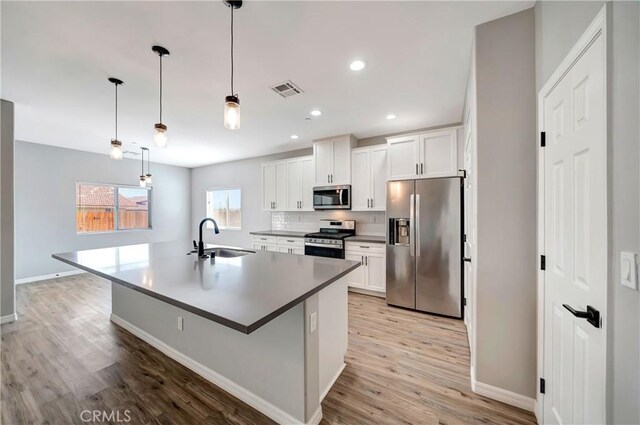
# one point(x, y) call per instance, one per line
point(116, 207)
point(209, 225)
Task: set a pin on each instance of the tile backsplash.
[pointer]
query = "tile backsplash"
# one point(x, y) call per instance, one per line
point(367, 223)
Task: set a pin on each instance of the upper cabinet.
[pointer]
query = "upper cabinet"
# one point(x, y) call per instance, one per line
point(423, 155)
point(332, 157)
point(274, 186)
point(300, 183)
point(369, 178)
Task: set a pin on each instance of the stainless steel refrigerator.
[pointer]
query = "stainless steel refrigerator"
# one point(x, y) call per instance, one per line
point(424, 245)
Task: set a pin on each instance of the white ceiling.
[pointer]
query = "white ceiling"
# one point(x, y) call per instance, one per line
point(57, 56)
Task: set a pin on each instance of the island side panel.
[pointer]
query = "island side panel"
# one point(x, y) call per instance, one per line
point(268, 365)
point(333, 330)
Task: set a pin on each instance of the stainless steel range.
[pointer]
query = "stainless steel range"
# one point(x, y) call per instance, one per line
point(329, 241)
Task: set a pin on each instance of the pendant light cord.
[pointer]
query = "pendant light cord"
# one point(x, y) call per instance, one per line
point(160, 88)
point(116, 111)
point(142, 162)
point(232, 92)
point(148, 162)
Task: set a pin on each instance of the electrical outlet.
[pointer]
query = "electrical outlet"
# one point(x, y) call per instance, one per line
point(628, 270)
point(180, 324)
point(313, 322)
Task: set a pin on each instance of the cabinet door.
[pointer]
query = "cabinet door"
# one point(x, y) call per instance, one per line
point(293, 184)
point(307, 175)
point(268, 186)
point(376, 272)
point(378, 160)
point(356, 278)
point(298, 251)
point(323, 157)
point(284, 249)
point(439, 154)
point(341, 170)
point(403, 157)
point(360, 180)
point(281, 186)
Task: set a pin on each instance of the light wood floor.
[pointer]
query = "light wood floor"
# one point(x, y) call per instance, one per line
point(63, 356)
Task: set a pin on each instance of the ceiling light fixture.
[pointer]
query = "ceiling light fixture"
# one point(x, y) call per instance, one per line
point(143, 180)
point(294, 137)
point(391, 117)
point(160, 130)
point(232, 102)
point(316, 113)
point(116, 145)
point(357, 65)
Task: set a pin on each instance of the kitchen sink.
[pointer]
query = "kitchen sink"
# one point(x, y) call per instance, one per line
point(222, 252)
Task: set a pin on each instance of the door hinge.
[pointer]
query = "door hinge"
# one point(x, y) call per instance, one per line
point(464, 237)
point(542, 385)
point(464, 302)
point(543, 262)
point(543, 138)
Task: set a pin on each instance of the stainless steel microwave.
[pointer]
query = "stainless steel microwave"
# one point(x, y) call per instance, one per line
point(332, 197)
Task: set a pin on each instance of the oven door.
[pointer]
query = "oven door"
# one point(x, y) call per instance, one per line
point(332, 197)
point(323, 251)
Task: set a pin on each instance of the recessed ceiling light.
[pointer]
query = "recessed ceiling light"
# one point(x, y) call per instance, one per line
point(391, 117)
point(316, 113)
point(294, 136)
point(357, 65)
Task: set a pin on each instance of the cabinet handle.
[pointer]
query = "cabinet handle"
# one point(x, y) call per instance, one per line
point(417, 168)
point(421, 168)
point(328, 178)
point(371, 202)
point(362, 246)
point(366, 260)
point(362, 260)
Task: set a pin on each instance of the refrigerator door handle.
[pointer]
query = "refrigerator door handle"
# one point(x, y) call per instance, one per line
point(412, 222)
point(417, 225)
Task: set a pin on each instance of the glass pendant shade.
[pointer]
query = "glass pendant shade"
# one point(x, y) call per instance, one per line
point(232, 112)
point(160, 138)
point(147, 179)
point(116, 149)
point(143, 181)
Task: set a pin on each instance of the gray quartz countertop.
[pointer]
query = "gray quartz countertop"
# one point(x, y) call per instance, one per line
point(243, 293)
point(365, 238)
point(284, 233)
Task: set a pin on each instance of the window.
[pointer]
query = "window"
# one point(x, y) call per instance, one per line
point(108, 208)
point(223, 205)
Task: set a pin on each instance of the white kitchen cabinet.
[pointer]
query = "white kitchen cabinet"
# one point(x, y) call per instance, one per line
point(299, 183)
point(332, 160)
point(424, 155)
point(286, 245)
point(371, 275)
point(274, 186)
point(265, 247)
point(369, 178)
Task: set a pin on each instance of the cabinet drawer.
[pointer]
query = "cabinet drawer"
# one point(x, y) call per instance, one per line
point(265, 239)
point(366, 247)
point(290, 242)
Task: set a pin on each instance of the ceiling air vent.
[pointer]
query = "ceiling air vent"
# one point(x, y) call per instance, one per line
point(286, 89)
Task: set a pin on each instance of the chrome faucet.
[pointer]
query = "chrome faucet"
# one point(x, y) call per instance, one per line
point(200, 242)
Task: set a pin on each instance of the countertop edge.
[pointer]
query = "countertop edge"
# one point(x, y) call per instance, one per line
point(284, 233)
point(213, 317)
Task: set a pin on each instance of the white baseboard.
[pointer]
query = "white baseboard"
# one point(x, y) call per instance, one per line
point(263, 406)
point(9, 318)
point(514, 399)
point(368, 292)
point(473, 379)
point(48, 276)
point(333, 381)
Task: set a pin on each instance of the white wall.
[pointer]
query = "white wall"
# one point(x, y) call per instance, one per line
point(7, 277)
point(558, 27)
point(45, 190)
point(505, 177)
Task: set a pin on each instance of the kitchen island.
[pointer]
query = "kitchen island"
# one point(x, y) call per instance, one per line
point(269, 328)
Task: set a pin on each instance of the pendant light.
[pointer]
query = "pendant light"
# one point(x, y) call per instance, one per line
point(143, 180)
point(231, 102)
point(147, 177)
point(160, 130)
point(116, 145)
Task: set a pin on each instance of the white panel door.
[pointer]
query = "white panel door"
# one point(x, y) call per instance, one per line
point(341, 173)
point(575, 242)
point(356, 278)
point(376, 272)
point(439, 157)
point(403, 157)
point(378, 159)
point(307, 175)
point(360, 180)
point(294, 184)
point(281, 186)
point(323, 157)
point(268, 187)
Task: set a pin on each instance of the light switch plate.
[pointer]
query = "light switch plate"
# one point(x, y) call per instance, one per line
point(628, 270)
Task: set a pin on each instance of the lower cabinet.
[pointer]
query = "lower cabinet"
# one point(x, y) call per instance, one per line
point(371, 275)
point(286, 245)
